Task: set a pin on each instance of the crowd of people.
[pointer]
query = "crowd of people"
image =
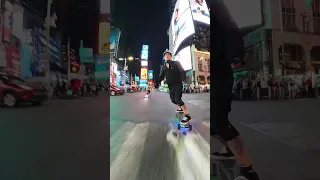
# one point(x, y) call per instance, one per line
point(272, 88)
point(196, 88)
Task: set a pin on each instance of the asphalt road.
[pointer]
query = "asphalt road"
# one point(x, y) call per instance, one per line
point(142, 143)
point(281, 136)
point(61, 140)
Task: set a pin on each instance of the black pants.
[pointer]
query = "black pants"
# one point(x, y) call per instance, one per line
point(175, 92)
point(221, 98)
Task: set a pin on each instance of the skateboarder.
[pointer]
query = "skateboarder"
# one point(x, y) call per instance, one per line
point(175, 75)
point(227, 53)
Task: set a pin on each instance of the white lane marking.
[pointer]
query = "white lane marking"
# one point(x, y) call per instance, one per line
point(193, 156)
point(206, 123)
point(126, 165)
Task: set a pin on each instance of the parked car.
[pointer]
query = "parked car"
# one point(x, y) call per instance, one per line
point(14, 90)
point(114, 90)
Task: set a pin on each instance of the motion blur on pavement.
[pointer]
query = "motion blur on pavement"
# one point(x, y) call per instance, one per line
point(143, 143)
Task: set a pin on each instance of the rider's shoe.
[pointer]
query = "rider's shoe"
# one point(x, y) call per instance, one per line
point(224, 154)
point(185, 120)
point(179, 110)
point(249, 173)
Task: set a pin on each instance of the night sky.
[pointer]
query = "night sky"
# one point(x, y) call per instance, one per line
point(143, 22)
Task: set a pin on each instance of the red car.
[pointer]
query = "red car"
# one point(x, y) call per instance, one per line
point(114, 90)
point(14, 91)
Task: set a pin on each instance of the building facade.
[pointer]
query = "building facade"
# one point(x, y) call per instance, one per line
point(300, 22)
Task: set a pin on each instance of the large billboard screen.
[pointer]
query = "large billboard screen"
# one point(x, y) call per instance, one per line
point(184, 57)
point(104, 38)
point(145, 52)
point(182, 23)
point(150, 74)
point(114, 40)
point(241, 15)
point(144, 73)
point(144, 63)
point(200, 11)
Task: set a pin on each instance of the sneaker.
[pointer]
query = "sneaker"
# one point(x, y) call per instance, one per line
point(224, 154)
point(179, 110)
point(185, 120)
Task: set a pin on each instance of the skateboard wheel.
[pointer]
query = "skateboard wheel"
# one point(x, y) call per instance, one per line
point(179, 126)
point(190, 128)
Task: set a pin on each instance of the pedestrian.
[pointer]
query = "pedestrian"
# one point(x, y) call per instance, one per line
point(282, 89)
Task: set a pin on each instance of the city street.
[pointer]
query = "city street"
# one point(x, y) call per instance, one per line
point(281, 137)
point(61, 140)
point(143, 146)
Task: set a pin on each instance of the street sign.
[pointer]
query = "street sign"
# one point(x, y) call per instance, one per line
point(308, 2)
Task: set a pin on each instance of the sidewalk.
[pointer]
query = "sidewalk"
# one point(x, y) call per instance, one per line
point(281, 136)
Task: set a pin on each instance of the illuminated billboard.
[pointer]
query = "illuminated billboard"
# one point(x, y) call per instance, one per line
point(184, 57)
point(114, 41)
point(241, 15)
point(150, 74)
point(144, 63)
point(144, 73)
point(145, 52)
point(200, 11)
point(182, 24)
point(104, 38)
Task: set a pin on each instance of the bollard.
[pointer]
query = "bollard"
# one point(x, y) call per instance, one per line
point(269, 92)
point(258, 93)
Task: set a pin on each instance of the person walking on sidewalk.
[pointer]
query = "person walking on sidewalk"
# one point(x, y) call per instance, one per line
point(175, 75)
point(228, 52)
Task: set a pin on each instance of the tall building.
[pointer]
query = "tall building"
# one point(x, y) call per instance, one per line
point(300, 22)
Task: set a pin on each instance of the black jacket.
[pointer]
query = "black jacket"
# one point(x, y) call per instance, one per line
point(174, 74)
point(226, 39)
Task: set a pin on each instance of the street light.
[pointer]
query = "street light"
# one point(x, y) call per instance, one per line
point(130, 58)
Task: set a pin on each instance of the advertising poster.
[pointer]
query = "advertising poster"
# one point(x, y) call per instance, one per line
point(38, 66)
point(145, 52)
point(184, 57)
point(114, 41)
point(86, 55)
point(182, 24)
point(26, 60)
point(7, 21)
point(74, 66)
point(144, 63)
point(144, 74)
point(200, 11)
point(104, 38)
point(17, 25)
point(150, 74)
point(27, 36)
point(102, 63)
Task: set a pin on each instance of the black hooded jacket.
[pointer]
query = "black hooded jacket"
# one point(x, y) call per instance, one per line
point(174, 74)
point(226, 39)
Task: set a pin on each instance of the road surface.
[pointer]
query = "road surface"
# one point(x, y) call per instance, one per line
point(143, 146)
point(61, 140)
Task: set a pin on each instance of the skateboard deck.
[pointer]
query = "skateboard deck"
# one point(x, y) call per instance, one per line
point(180, 125)
point(146, 96)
